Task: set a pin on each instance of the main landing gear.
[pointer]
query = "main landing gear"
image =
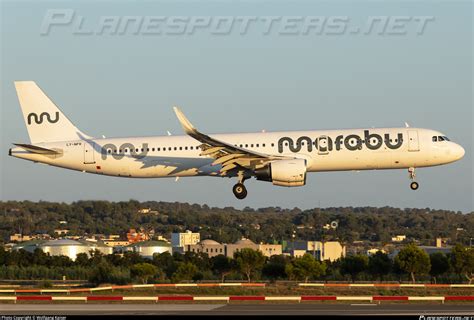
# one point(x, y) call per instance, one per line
point(413, 185)
point(240, 191)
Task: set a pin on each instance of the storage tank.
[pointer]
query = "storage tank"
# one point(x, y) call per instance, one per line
point(65, 247)
point(148, 248)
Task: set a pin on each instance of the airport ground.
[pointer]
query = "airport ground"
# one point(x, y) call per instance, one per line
point(272, 290)
point(141, 307)
point(451, 309)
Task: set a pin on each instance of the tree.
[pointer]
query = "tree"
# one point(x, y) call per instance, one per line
point(380, 264)
point(354, 265)
point(469, 262)
point(275, 268)
point(439, 264)
point(222, 265)
point(40, 257)
point(249, 262)
point(101, 273)
point(305, 268)
point(166, 262)
point(143, 271)
point(413, 260)
point(82, 259)
point(462, 261)
point(186, 271)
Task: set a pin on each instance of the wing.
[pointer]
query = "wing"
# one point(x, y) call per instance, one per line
point(229, 156)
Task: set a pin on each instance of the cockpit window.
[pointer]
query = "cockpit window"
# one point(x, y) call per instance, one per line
point(440, 138)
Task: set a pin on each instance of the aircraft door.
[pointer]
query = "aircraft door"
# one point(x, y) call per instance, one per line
point(89, 152)
point(413, 141)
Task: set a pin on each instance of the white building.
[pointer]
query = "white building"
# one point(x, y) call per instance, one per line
point(328, 250)
point(188, 238)
point(149, 248)
point(399, 238)
point(373, 251)
point(64, 247)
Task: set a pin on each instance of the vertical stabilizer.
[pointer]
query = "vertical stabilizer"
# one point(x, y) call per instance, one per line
point(43, 119)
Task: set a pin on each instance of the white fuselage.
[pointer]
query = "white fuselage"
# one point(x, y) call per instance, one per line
point(324, 150)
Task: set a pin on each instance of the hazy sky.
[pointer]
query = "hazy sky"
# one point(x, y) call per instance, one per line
point(275, 79)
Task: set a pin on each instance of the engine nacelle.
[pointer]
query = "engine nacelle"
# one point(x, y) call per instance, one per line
point(284, 173)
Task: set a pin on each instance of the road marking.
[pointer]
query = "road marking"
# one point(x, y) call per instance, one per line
point(282, 298)
point(211, 298)
point(353, 298)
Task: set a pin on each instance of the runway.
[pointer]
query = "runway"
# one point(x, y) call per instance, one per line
point(237, 309)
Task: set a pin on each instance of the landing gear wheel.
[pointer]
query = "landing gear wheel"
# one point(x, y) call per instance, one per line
point(414, 185)
point(240, 191)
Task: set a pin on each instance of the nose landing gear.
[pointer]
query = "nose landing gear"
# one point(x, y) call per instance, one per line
point(413, 185)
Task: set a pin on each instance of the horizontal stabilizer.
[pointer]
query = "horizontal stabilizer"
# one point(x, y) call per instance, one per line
point(36, 149)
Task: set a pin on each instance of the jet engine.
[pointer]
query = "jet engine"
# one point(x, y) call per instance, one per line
point(284, 173)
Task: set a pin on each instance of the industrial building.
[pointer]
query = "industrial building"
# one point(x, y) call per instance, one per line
point(214, 248)
point(29, 246)
point(63, 247)
point(328, 250)
point(182, 239)
point(147, 249)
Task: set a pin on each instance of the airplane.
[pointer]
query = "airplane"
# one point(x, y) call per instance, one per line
point(282, 158)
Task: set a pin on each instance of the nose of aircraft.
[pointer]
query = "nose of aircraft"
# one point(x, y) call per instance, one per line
point(458, 151)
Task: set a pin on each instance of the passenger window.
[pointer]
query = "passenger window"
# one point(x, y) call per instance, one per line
point(263, 145)
point(273, 144)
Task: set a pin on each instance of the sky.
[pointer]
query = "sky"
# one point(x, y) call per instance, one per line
point(368, 65)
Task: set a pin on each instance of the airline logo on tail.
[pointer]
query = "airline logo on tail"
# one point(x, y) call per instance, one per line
point(39, 119)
